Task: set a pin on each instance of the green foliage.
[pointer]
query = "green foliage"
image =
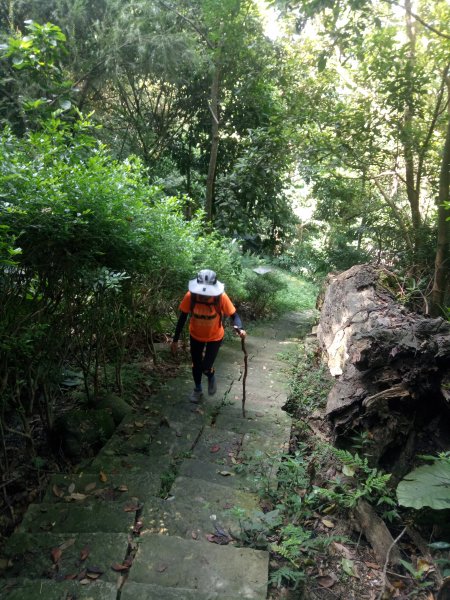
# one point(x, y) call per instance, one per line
point(309, 384)
point(261, 292)
point(104, 258)
point(366, 482)
point(428, 485)
point(35, 85)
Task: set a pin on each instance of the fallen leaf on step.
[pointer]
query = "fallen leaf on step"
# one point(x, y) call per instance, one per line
point(122, 488)
point(349, 567)
point(103, 477)
point(372, 565)
point(93, 576)
point(194, 535)
point(71, 488)
point(120, 567)
point(327, 523)
point(67, 544)
point(424, 566)
point(161, 568)
point(90, 487)
point(226, 473)
point(94, 569)
point(341, 549)
point(214, 448)
point(85, 553)
point(326, 581)
point(56, 555)
point(57, 491)
point(76, 496)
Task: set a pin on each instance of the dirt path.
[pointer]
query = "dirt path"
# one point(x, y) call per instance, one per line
point(157, 513)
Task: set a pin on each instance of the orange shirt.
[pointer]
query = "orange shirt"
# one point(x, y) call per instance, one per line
point(205, 324)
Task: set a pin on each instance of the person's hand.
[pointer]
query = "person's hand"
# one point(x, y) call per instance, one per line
point(174, 348)
point(241, 332)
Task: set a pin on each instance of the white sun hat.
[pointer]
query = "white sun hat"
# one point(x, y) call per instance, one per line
point(206, 284)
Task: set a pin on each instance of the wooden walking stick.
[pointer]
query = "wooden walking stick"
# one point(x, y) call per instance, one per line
point(244, 350)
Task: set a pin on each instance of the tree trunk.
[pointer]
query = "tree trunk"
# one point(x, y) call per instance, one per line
point(392, 368)
point(441, 265)
point(412, 178)
point(214, 108)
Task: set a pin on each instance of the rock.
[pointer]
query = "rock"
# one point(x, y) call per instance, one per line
point(114, 404)
point(82, 432)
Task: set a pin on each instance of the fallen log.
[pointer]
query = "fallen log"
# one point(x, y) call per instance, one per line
point(392, 367)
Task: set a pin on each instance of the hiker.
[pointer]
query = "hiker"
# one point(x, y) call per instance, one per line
point(206, 303)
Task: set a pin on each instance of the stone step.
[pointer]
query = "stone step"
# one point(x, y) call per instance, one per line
point(183, 411)
point(142, 591)
point(217, 446)
point(254, 422)
point(171, 440)
point(231, 476)
point(107, 486)
point(271, 444)
point(173, 562)
point(253, 405)
point(105, 517)
point(35, 556)
point(26, 589)
point(133, 463)
point(198, 508)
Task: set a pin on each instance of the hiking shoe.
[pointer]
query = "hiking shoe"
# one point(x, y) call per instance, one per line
point(212, 385)
point(196, 396)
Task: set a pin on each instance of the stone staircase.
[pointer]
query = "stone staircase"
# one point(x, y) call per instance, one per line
point(157, 515)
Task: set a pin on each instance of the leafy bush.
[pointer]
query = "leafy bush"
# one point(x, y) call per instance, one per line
point(104, 258)
point(261, 292)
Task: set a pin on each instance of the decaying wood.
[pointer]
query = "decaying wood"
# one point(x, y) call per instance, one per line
point(377, 534)
point(392, 366)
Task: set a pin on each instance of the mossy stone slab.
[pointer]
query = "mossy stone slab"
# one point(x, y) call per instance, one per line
point(78, 518)
point(183, 411)
point(173, 562)
point(217, 445)
point(198, 508)
point(25, 589)
point(229, 476)
point(133, 463)
point(31, 554)
point(271, 443)
point(134, 424)
point(108, 487)
point(120, 445)
point(252, 424)
point(142, 591)
point(268, 399)
point(174, 439)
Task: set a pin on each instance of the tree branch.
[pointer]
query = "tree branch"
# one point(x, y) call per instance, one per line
point(420, 20)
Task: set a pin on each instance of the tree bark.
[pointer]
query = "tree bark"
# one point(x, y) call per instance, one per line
point(442, 259)
point(392, 367)
point(413, 179)
point(214, 108)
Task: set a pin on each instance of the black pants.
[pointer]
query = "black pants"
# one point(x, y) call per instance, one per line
point(203, 356)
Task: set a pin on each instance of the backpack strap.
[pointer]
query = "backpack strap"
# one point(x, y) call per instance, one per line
point(216, 304)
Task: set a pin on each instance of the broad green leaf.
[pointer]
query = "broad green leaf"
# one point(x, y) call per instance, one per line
point(428, 485)
point(440, 546)
point(348, 566)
